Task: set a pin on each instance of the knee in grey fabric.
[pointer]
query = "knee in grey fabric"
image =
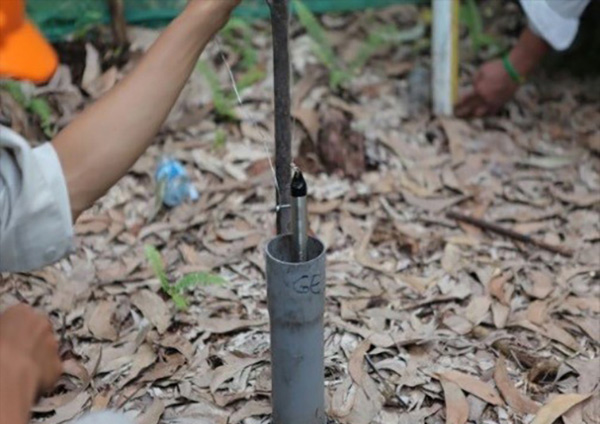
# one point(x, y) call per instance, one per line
point(106, 417)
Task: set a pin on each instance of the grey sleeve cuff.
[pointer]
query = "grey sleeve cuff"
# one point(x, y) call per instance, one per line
point(37, 227)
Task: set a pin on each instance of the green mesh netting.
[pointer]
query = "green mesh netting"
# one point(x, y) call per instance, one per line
point(58, 18)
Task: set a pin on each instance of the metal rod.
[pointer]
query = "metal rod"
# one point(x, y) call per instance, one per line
point(298, 191)
point(283, 136)
point(296, 302)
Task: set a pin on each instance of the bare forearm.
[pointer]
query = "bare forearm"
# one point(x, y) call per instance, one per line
point(528, 52)
point(98, 148)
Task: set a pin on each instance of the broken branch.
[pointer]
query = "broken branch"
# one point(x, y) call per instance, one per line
point(495, 228)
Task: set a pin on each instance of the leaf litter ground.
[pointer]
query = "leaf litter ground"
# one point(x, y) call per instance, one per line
point(427, 321)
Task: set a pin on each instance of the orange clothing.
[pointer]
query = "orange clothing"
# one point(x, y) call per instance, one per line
point(24, 53)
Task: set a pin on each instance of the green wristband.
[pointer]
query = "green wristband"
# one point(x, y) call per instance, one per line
point(512, 72)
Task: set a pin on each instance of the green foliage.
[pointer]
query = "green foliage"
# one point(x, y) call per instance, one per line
point(379, 37)
point(40, 108)
point(220, 139)
point(156, 263)
point(251, 77)
point(223, 104)
point(471, 18)
point(37, 106)
point(87, 21)
point(177, 290)
point(14, 89)
point(198, 278)
point(338, 72)
point(384, 36)
point(238, 35)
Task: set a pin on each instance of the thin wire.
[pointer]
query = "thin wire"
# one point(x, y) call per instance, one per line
point(247, 117)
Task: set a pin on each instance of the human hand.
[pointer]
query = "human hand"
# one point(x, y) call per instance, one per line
point(29, 335)
point(492, 88)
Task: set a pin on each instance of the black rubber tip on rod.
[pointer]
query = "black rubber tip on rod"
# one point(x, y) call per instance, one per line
point(298, 186)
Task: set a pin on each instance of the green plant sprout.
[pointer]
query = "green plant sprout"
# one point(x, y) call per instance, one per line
point(471, 18)
point(86, 22)
point(223, 104)
point(37, 106)
point(177, 290)
point(379, 37)
point(241, 45)
point(220, 139)
point(225, 101)
point(238, 35)
point(338, 72)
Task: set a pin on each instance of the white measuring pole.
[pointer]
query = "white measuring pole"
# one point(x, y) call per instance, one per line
point(444, 52)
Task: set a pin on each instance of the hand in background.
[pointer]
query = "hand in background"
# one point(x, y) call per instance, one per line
point(492, 88)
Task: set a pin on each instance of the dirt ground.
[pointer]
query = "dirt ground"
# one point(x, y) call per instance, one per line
point(428, 320)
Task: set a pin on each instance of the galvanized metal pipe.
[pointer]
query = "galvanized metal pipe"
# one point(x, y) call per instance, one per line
point(296, 301)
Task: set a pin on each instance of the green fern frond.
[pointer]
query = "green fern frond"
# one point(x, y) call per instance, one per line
point(177, 291)
point(222, 103)
point(322, 47)
point(198, 278)
point(157, 265)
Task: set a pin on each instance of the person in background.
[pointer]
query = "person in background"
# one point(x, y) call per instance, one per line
point(553, 24)
point(44, 190)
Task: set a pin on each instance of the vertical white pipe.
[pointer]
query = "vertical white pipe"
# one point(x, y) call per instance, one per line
point(444, 55)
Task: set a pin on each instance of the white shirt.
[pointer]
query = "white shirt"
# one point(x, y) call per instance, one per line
point(556, 21)
point(36, 227)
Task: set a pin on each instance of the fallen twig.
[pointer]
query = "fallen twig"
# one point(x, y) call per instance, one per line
point(388, 388)
point(540, 369)
point(494, 228)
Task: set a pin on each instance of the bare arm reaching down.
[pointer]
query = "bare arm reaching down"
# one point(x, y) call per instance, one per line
point(98, 148)
point(44, 190)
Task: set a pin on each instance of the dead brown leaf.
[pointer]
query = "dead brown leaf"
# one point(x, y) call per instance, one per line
point(457, 408)
point(227, 371)
point(100, 322)
point(355, 365)
point(309, 119)
point(537, 312)
point(542, 284)
point(223, 325)
point(153, 308)
point(513, 397)
point(553, 331)
point(153, 413)
point(161, 370)
point(500, 313)
point(456, 131)
point(497, 287)
point(250, 409)
point(69, 411)
point(557, 406)
point(473, 385)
